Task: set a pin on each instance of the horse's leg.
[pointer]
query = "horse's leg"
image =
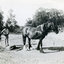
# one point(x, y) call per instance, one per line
point(40, 44)
point(29, 42)
point(7, 40)
point(38, 47)
point(41, 49)
point(24, 41)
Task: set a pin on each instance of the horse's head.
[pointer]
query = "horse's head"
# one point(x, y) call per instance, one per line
point(53, 27)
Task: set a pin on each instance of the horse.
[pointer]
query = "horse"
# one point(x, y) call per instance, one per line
point(38, 32)
point(5, 32)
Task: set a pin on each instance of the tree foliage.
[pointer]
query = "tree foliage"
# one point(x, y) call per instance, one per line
point(48, 15)
point(1, 20)
point(12, 23)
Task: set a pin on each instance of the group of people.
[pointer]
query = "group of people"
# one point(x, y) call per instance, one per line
point(5, 32)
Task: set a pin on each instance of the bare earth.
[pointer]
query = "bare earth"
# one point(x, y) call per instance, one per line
point(33, 57)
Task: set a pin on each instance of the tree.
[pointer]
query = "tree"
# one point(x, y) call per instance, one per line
point(12, 23)
point(44, 15)
point(30, 23)
point(1, 22)
point(40, 17)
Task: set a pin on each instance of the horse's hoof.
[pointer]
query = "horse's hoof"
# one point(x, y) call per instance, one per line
point(24, 48)
point(41, 51)
point(7, 45)
point(32, 48)
point(7, 48)
point(37, 48)
point(28, 49)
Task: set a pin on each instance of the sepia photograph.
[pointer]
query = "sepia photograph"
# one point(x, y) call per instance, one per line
point(31, 31)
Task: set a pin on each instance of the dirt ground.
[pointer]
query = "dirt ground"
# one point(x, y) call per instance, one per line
point(20, 56)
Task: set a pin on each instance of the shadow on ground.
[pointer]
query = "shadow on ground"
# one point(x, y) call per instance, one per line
point(54, 48)
point(20, 47)
point(16, 47)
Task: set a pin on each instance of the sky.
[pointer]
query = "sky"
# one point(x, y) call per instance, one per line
point(24, 9)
